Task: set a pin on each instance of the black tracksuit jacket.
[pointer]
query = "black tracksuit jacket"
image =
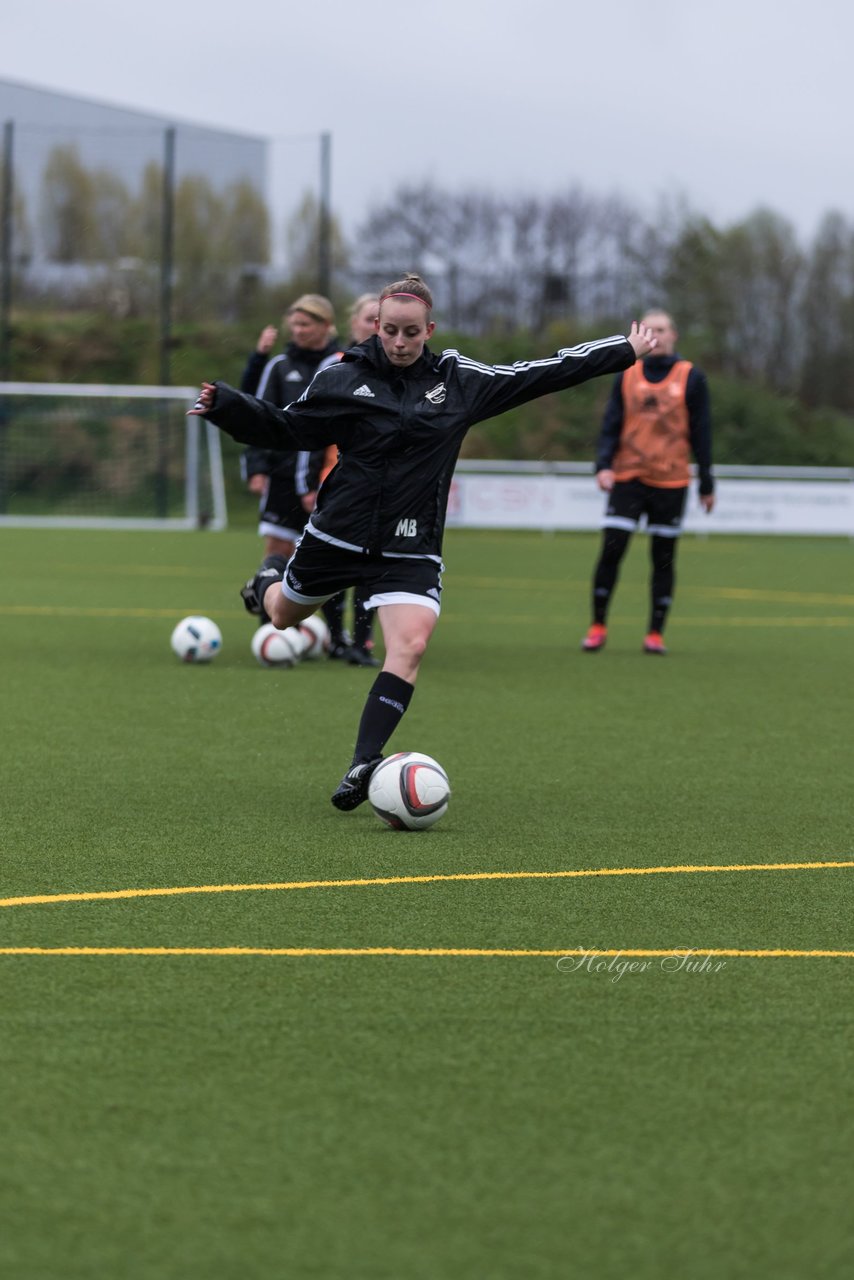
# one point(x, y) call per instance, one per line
point(399, 432)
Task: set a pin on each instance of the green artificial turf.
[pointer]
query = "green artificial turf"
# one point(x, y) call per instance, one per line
point(215, 1116)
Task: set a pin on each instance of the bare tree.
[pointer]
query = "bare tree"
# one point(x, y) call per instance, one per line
point(405, 232)
point(763, 267)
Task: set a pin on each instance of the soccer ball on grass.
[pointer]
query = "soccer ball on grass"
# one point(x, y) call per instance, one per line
point(274, 648)
point(409, 791)
point(196, 639)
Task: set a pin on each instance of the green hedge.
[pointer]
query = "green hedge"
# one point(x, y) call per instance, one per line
point(752, 425)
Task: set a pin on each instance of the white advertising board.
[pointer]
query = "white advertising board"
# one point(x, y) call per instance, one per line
point(569, 502)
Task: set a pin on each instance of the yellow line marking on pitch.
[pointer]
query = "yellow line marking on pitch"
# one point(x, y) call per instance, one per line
point(79, 611)
point(43, 899)
point(760, 595)
point(631, 952)
point(89, 569)
point(800, 620)
point(773, 596)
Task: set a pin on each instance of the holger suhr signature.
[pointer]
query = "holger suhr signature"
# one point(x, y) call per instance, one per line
point(618, 965)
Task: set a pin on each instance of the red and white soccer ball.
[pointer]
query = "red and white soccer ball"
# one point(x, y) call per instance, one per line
point(409, 791)
point(274, 648)
point(196, 639)
point(316, 634)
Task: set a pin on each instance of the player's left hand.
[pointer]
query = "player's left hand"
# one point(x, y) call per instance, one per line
point(641, 339)
point(204, 402)
point(707, 502)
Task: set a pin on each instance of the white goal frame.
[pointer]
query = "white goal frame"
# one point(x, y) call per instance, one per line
point(193, 458)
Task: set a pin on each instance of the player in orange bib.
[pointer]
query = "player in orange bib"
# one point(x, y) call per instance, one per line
point(657, 417)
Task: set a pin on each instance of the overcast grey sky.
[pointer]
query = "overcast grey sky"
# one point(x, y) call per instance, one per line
point(730, 105)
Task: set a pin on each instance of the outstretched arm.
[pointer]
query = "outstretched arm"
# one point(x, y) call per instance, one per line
point(305, 424)
point(497, 388)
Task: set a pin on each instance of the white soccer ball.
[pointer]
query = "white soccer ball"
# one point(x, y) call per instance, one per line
point(196, 639)
point(274, 648)
point(409, 791)
point(317, 636)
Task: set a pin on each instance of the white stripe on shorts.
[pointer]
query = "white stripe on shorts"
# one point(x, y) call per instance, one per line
point(620, 522)
point(412, 555)
point(401, 597)
point(665, 530)
point(386, 555)
point(278, 531)
point(333, 542)
point(298, 598)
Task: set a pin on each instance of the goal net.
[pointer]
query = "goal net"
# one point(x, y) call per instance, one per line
point(111, 457)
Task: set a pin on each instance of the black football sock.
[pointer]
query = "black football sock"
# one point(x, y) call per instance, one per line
point(663, 554)
point(387, 701)
point(333, 612)
point(614, 544)
point(658, 613)
point(272, 570)
point(601, 600)
point(363, 621)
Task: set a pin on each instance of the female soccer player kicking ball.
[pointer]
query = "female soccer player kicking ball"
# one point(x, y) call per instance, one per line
point(398, 413)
